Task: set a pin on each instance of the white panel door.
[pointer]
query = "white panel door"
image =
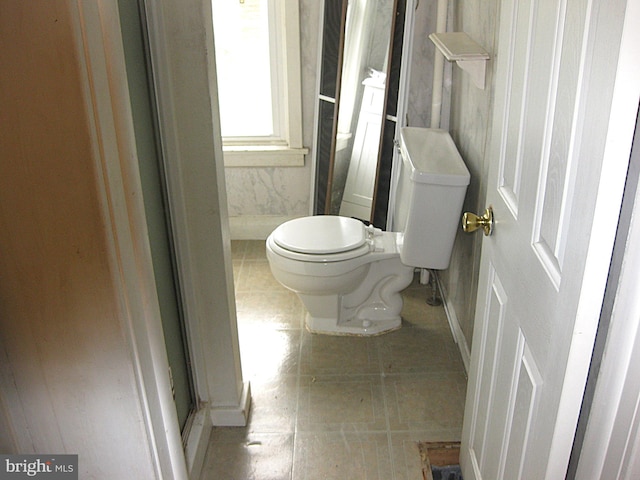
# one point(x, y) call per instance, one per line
point(363, 164)
point(544, 268)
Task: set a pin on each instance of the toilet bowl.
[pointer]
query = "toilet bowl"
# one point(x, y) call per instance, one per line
point(350, 276)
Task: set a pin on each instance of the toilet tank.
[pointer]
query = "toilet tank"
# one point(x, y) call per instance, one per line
point(432, 184)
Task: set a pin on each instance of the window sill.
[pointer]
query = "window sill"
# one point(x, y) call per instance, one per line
point(263, 156)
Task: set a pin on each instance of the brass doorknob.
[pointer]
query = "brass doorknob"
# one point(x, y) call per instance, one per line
point(472, 222)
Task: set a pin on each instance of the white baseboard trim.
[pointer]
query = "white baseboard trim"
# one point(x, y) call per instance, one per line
point(456, 330)
point(233, 416)
point(255, 227)
point(197, 443)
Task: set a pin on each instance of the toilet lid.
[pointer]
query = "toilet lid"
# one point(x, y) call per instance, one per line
point(322, 234)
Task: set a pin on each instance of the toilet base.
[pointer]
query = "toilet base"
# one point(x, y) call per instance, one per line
point(372, 308)
point(356, 327)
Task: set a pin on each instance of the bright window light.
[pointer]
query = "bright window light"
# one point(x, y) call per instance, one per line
point(243, 62)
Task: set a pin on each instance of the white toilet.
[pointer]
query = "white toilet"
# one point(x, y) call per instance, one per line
point(349, 276)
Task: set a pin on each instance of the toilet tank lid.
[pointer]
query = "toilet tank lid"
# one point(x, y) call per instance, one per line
point(320, 234)
point(432, 157)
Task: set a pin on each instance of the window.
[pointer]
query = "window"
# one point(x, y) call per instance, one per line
point(258, 67)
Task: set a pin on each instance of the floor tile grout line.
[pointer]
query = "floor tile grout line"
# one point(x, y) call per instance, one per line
point(386, 381)
point(382, 375)
point(297, 407)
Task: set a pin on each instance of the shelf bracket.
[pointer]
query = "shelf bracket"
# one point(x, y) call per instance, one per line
point(469, 56)
point(476, 69)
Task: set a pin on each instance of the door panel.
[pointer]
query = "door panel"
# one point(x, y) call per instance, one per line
point(535, 315)
point(490, 392)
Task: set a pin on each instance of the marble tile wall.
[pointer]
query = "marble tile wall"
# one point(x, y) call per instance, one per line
point(471, 110)
point(421, 78)
point(281, 191)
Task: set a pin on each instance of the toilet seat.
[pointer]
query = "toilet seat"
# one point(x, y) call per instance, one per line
point(322, 238)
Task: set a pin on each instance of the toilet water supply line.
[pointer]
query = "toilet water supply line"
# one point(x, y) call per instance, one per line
point(426, 276)
point(438, 67)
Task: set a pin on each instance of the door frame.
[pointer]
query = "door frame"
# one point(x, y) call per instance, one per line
point(610, 439)
point(620, 124)
point(607, 439)
point(101, 56)
point(194, 169)
point(183, 74)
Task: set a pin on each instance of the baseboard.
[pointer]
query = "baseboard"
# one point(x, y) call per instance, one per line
point(197, 442)
point(456, 330)
point(233, 416)
point(255, 227)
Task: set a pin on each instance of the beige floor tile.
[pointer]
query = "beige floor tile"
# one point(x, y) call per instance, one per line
point(280, 309)
point(413, 350)
point(342, 456)
point(255, 249)
point(238, 248)
point(347, 403)
point(255, 275)
point(273, 406)
point(416, 311)
point(405, 455)
point(235, 455)
point(426, 401)
point(267, 354)
point(326, 354)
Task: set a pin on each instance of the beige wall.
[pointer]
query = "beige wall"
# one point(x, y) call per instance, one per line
point(67, 379)
point(470, 128)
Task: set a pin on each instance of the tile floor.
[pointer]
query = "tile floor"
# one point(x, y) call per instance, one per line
point(335, 407)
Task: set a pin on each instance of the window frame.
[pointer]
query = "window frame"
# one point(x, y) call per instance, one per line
point(285, 148)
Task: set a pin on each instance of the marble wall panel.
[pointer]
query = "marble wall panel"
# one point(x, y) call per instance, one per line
point(267, 191)
point(470, 123)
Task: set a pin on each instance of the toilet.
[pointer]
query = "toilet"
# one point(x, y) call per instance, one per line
point(349, 276)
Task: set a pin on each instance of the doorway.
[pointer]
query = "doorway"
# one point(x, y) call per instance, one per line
point(231, 336)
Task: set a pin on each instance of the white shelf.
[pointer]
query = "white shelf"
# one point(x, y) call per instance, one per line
point(460, 48)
